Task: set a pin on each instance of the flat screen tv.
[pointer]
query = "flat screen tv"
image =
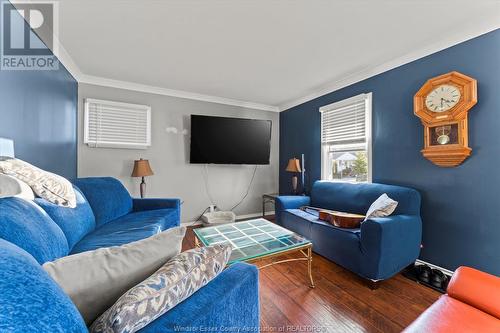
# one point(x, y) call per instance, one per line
point(222, 140)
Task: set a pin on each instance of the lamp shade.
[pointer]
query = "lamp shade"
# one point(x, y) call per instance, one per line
point(293, 165)
point(142, 168)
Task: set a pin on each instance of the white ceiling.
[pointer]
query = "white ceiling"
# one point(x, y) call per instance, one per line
point(274, 53)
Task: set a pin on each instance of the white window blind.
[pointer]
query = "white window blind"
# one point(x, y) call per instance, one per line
point(345, 122)
point(346, 153)
point(117, 125)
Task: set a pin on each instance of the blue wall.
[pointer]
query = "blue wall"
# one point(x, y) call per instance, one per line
point(38, 109)
point(460, 207)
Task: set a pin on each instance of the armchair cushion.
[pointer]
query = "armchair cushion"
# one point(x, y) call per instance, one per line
point(107, 196)
point(478, 289)
point(448, 315)
point(76, 222)
point(129, 228)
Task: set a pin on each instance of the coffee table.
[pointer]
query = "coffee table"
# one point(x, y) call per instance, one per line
point(258, 239)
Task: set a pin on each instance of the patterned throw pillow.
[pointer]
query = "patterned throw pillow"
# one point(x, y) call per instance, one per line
point(178, 279)
point(51, 187)
point(383, 206)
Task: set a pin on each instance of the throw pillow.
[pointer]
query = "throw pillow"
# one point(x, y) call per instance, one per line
point(383, 206)
point(170, 285)
point(53, 188)
point(12, 187)
point(94, 280)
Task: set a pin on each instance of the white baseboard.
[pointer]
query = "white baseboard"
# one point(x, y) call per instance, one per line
point(238, 217)
point(444, 270)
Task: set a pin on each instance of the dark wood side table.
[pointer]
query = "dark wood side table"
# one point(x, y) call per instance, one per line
point(268, 198)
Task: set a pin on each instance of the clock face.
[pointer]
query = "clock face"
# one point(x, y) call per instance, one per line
point(442, 98)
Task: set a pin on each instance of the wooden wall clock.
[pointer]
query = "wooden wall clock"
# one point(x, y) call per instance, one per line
point(442, 104)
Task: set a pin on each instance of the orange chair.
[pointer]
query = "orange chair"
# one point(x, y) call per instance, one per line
point(472, 304)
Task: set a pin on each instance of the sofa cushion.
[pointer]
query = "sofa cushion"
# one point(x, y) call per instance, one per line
point(94, 280)
point(30, 300)
point(339, 244)
point(236, 290)
point(74, 222)
point(25, 224)
point(128, 228)
point(301, 222)
point(357, 198)
point(107, 196)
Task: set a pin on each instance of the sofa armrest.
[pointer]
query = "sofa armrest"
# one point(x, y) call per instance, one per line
point(284, 202)
point(478, 289)
point(151, 204)
point(389, 244)
point(230, 300)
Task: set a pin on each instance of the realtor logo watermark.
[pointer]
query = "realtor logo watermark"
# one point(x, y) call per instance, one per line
point(21, 47)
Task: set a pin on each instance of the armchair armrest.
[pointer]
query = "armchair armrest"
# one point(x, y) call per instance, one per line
point(284, 202)
point(151, 204)
point(389, 244)
point(478, 289)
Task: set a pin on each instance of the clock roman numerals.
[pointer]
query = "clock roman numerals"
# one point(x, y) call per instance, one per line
point(442, 98)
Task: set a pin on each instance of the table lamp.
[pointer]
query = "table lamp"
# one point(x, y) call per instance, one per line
point(142, 169)
point(294, 166)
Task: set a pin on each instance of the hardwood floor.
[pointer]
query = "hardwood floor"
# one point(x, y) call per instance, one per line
point(341, 301)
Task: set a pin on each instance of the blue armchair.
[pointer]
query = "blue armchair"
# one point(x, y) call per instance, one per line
point(377, 250)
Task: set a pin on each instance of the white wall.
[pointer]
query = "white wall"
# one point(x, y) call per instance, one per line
point(169, 155)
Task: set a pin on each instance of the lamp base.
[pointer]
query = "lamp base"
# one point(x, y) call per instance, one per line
point(295, 181)
point(143, 188)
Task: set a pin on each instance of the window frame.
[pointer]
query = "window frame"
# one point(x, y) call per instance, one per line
point(123, 145)
point(367, 97)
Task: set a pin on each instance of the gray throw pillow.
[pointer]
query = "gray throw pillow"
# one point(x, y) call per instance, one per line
point(170, 285)
point(383, 206)
point(94, 280)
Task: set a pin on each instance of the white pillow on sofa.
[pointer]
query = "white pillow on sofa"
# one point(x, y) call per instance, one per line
point(94, 280)
point(12, 187)
point(383, 206)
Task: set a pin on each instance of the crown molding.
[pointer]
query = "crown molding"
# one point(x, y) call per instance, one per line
point(105, 82)
point(409, 57)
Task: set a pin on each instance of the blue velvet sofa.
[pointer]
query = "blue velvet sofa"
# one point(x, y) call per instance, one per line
point(377, 250)
point(32, 233)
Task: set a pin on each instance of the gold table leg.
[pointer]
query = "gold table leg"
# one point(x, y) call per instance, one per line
point(309, 266)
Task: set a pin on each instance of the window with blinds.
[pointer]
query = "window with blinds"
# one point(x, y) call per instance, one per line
point(117, 125)
point(346, 139)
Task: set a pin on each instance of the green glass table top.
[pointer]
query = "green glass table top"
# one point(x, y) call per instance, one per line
point(251, 239)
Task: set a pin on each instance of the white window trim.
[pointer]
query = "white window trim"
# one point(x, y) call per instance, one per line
point(368, 132)
point(124, 145)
